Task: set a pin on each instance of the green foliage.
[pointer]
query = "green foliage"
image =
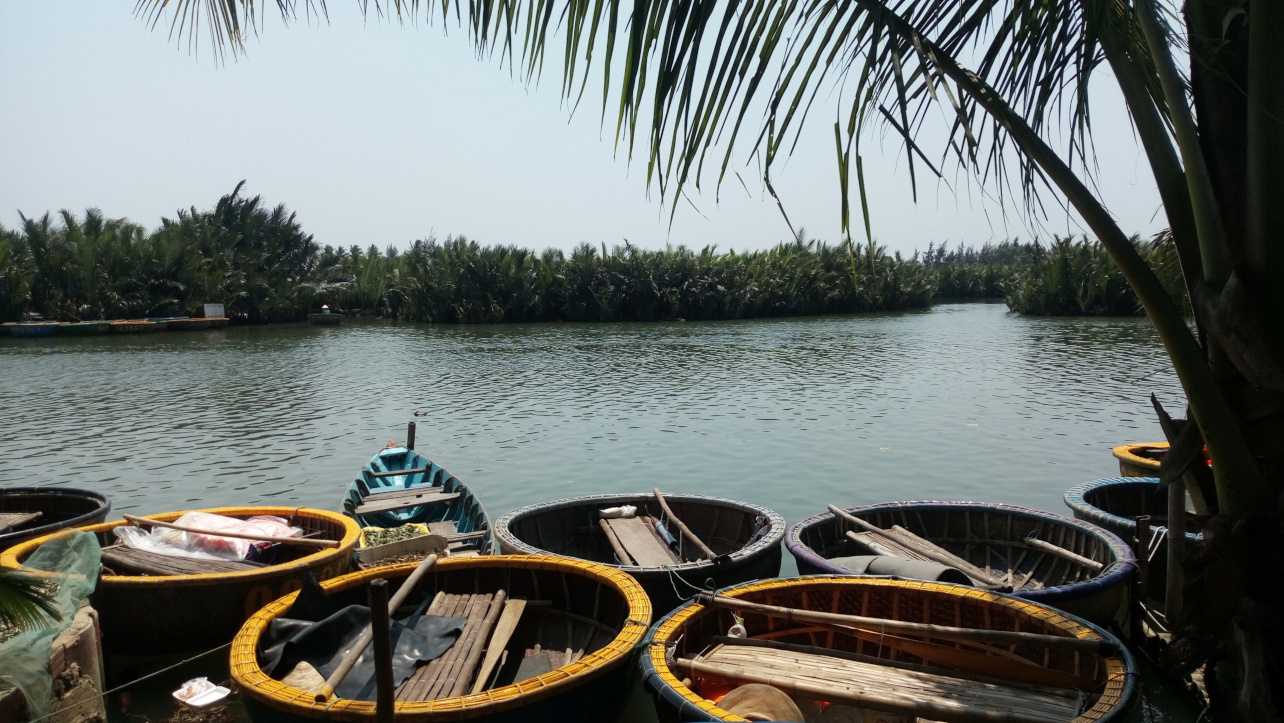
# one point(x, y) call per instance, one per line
point(970, 273)
point(25, 602)
point(1079, 278)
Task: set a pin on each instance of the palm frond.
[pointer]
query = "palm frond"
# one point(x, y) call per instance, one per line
point(26, 601)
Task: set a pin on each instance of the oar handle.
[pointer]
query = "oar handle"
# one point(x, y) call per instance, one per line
point(237, 535)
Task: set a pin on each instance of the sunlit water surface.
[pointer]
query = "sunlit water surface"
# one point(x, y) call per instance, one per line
point(962, 402)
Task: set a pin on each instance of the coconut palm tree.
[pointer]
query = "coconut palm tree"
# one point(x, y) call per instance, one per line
point(1204, 86)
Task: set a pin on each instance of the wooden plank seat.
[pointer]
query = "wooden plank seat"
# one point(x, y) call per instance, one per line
point(896, 690)
point(11, 520)
point(640, 541)
point(437, 678)
point(398, 472)
point(402, 499)
point(125, 560)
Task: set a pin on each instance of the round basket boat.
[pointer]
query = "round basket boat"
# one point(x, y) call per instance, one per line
point(745, 537)
point(59, 508)
point(992, 537)
point(218, 322)
point(1115, 503)
point(186, 324)
point(1140, 459)
point(32, 328)
point(924, 674)
point(602, 613)
point(154, 614)
point(325, 319)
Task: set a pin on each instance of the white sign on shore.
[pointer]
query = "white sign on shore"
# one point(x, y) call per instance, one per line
point(214, 311)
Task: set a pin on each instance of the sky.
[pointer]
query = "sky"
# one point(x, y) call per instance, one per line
point(378, 133)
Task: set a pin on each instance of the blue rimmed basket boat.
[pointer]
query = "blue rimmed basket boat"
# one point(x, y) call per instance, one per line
point(942, 680)
point(151, 613)
point(30, 329)
point(58, 508)
point(1115, 503)
point(992, 537)
point(398, 486)
point(745, 537)
point(597, 614)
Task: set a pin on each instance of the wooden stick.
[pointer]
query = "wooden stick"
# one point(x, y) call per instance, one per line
point(469, 666)
point(381, 645)
point(865, 699)
point(349, 660)
point(1009, 668)
point(709, 554)
point(615, 544)
point(870, 545)
point(917, 667)
point(933, 552)
point(943, 632)
point(1064, 553)
point(237, 535)
point(498, 643)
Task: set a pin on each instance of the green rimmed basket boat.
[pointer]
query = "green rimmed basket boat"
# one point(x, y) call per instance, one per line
point(585, 602)
point(900, 684)
point(84, 328)
point(156, 614)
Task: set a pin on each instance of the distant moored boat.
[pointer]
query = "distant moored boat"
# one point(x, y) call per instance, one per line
point(32, 328)
point(218, 322)
point(189, 324)
point(326, 319)
point(84, 328)
point(134, 326)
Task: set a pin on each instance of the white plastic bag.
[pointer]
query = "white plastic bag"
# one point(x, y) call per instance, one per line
point(611, 513)
point(175, 543)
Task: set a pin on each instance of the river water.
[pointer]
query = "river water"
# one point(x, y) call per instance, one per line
point(960, 402)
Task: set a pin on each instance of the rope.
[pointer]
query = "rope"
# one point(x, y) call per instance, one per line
point(152, 674)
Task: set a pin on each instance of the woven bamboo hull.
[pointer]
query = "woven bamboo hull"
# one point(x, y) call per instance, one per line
point(326, 319)
point(466, 511)
point(586, 691)
point(60, 507)
point(29, 329)
point(84, 328)
point(994, 532)
point(1115, 503)
point(1140, 459)
point(161, 614)
point(689, 630)
point(748, 535)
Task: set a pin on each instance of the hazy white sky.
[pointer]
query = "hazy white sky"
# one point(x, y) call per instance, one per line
point(377, 133)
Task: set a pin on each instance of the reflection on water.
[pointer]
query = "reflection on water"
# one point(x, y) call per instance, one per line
point(965, 401)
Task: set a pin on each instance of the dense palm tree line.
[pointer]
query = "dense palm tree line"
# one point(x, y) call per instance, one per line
point(260, 264)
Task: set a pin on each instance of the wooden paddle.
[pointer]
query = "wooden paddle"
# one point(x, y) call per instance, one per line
point(302, 541)
point(941, 632)
point(512, 614)
point(678, 524)
point(349, 660)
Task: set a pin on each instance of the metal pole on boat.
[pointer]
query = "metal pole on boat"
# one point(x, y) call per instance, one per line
point(410, 436)
point(381, 647)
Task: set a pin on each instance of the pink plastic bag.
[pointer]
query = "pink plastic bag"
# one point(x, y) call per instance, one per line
point(199, 546)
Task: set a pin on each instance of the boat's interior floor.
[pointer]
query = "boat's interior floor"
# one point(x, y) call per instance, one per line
point(122, 560)
point(938, 695)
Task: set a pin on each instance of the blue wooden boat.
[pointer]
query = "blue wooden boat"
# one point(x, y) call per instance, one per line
point(32, 328)
point(398, 487)
point(992, 537)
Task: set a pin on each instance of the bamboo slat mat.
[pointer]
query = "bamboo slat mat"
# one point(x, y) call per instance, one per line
point(906, 686)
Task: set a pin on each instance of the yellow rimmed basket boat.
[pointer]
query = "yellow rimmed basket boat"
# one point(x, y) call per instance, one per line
point(189, 324)
point(1140, 459)
point(951, 674)
point(589, 623)
point(154, 614)
point(218, 322)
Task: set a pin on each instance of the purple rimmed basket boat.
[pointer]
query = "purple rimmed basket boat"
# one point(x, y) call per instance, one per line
point(746, 537)
point(992, 537)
